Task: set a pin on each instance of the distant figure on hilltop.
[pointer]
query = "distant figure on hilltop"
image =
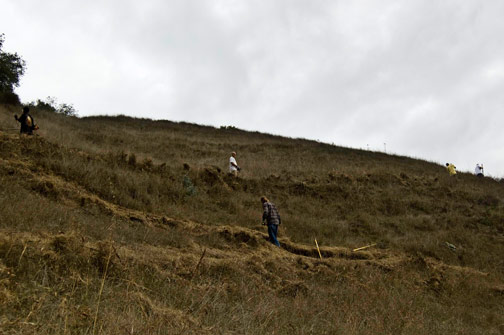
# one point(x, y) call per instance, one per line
point(478, 171)
point(27, 122)
point(233, 166)
point(451, 169)
point(271, 218)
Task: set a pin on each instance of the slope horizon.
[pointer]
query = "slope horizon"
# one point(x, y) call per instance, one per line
point(468, 170)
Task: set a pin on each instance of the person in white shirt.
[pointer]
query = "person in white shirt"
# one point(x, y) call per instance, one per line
point(233, 166)
point(478, 171)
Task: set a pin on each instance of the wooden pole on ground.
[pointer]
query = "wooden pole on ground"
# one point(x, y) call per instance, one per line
point(365, 247)
point(318, 249)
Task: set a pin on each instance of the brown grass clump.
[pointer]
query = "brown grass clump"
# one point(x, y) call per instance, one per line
point(113, 225)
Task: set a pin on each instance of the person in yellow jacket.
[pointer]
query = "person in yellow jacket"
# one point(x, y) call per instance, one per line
point(451, 169)
point(27, 123)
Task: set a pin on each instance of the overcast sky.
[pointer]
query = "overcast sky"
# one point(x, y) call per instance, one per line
point(426, 77)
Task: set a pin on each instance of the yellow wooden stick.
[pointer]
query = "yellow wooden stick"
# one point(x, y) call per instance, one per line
point(318, 249)
point(365, 247)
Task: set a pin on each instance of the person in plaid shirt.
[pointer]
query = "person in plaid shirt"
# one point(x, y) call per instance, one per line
point(272, 219)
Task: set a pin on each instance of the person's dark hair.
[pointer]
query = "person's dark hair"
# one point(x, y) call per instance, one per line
point(26, 109)
point(264, 199)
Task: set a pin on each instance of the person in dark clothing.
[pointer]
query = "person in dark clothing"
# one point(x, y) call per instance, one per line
point(271, 218)
point(27, 122)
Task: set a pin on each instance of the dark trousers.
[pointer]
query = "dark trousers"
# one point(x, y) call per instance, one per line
point(273, 232)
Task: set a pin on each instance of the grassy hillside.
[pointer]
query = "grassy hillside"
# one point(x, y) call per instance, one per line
point(116, 225)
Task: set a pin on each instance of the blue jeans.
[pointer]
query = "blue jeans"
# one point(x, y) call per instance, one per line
point(273, 232)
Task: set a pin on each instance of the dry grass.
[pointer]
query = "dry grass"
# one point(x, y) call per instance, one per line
point(100, 215)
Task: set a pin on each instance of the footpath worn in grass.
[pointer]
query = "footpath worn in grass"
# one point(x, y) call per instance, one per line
point(116, 225)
